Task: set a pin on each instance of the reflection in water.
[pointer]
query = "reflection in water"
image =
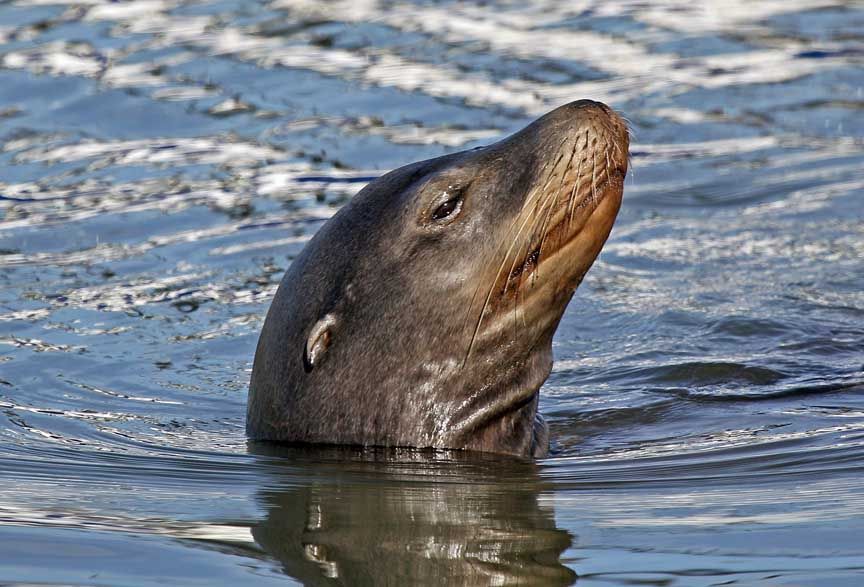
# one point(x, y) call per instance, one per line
point(411, 518)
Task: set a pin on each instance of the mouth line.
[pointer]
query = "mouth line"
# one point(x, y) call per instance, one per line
point(537, 294)
point(541, 252)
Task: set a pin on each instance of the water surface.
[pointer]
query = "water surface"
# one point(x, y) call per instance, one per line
point(163, 161)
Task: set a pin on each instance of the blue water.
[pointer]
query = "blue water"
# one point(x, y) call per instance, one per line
point(162, 162)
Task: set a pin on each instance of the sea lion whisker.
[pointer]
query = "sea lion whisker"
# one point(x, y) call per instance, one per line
point(503, 243)
point(544, 232)
point(549, 179)
point(576, 185)
point(551, 175)
point(608, 168)
point(628, 126)
point(548, 206)
point(538, 208)
point(570, 199)
point(572, 196)
point(520, 255)
point(524, 246)
point(571, 205)
point(529, 200)
point(494, 283)
point(479, 323)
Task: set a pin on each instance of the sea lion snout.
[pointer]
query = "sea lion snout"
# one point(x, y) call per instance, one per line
point(601, 124)
point(578, 156)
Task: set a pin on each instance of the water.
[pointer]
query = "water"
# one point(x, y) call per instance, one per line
point(163, 161)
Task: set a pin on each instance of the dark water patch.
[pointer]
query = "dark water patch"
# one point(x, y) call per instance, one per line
point(823, 54)
point(698, 374)
point(18, 16)
point(781, 393)
point(703, 46)
point(826, 347)
point(84, 557)
point(841, 22)
point(744, 327)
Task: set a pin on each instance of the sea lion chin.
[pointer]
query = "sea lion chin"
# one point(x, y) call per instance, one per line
point(422, 313)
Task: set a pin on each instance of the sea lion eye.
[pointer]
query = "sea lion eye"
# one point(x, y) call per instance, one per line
point(449, 205)
point(447, 208)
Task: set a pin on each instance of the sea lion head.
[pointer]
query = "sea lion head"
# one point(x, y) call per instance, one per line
point(422, 313)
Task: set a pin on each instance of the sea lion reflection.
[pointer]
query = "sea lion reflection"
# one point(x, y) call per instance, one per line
point(421, 521)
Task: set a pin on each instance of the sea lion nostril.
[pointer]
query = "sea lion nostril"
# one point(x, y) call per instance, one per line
point(527, 265)
point(586, 103)
point(583, 106)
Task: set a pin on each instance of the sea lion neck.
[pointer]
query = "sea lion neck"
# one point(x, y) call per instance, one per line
point(500, 415)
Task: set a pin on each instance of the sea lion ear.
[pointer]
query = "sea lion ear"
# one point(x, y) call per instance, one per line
point(320, 338)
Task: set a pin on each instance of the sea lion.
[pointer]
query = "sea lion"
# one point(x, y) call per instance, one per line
point(422, 313)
